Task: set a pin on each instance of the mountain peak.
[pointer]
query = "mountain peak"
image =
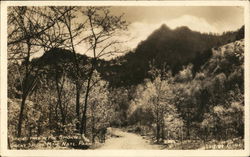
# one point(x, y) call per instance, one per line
point(183, 28)
point(164, 27)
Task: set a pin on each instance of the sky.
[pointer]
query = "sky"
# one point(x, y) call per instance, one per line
point(144, 20)
point(219, 18)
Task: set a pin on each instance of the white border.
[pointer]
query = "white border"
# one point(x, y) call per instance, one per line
point(127, 3)
point(3, 86)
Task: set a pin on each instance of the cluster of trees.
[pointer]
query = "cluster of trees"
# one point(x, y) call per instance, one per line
point(153, 106)
point(206, 105)
point(60, 92)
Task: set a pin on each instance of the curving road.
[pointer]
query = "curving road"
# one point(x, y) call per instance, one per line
point(127, 141)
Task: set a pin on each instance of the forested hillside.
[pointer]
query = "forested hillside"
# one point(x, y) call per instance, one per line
point(207, 105)
point(179, 88)
point(166, 48)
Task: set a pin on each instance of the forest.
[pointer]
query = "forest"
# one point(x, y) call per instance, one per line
point(179, 89)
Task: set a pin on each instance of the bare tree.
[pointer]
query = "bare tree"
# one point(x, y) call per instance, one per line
point(25, 26)
point(103, 28)
point(73, 30)
point(13, 35)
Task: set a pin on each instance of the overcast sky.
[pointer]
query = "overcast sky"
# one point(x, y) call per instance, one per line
point(219, 19)
point(145, 19)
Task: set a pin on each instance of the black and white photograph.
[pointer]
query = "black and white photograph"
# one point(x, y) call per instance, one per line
point(106, 76)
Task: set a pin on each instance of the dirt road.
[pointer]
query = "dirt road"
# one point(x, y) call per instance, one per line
point(127, 141)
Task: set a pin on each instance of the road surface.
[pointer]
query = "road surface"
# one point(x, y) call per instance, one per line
point(127, 141)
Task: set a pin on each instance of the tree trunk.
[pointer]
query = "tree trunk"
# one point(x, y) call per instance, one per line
point(50, 116)
point(158, 132)
point(188, 127)
point(25, 91)
point(56, 112)
point(39, 130)
point(30, 132)
point(162, 131)
point(62, 111)
point(9, 147)
point(93, 124)
point(20, 121)
point(77, 102)
point(77, 71)
point(84, 116)
point(59, 97)
point(78, 107)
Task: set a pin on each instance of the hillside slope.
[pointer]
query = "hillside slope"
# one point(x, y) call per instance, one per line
point(166, 48)
point(229, 61)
